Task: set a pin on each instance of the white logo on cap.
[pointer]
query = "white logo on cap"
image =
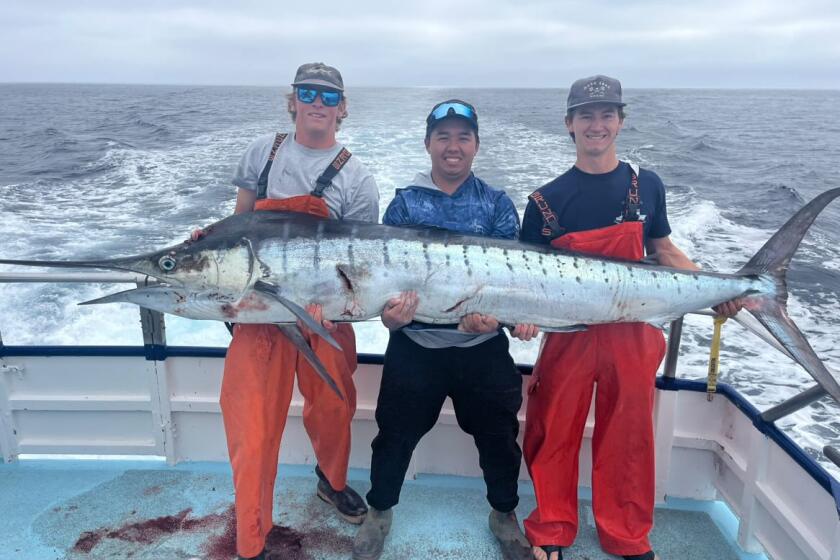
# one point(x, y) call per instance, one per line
point(597, 88)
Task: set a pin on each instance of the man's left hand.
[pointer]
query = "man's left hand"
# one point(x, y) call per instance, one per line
point(317, 313)
point(478, 323)
point(729, 308)
point(525, 331)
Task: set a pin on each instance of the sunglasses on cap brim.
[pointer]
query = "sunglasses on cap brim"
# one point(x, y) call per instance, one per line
point(329, 98)
point(451, 110)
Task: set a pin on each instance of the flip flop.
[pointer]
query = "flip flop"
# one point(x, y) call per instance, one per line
point(549, 548)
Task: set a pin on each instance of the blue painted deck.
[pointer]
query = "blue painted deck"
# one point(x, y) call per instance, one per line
point(90, 510)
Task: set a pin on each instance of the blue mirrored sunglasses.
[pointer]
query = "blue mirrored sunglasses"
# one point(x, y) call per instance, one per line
point(328, 98)
point(451, 109)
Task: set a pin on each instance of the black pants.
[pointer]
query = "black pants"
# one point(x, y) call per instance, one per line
point(486, 390)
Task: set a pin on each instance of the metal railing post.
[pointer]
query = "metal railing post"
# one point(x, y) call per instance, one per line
point(833, 454)
point(674, 338)
point(154, 330)
point(8, 438)
point(793, 404)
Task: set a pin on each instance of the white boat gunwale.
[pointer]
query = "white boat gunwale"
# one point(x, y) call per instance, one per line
point(804, 530)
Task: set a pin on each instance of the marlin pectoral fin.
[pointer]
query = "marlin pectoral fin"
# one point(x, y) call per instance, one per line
point(292, 332)
point(569, 328)
point(297, 311)
point(118, 297)
point(659, 322)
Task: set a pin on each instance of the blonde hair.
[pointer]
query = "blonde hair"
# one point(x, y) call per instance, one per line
point(342, 109)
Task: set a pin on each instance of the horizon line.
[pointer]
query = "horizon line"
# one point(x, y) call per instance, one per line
point(381, 86)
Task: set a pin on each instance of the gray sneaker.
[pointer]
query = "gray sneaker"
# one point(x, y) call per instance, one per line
point(370, 540)
point(514, 545)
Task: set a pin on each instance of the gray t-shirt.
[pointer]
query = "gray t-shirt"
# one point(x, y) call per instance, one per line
point(353, 194)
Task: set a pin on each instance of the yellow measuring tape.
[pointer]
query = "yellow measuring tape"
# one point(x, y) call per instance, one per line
point(714, 359)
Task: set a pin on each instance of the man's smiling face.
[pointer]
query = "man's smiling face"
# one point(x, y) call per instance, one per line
point(595, 128)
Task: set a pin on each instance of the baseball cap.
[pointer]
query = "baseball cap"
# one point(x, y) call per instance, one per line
point(451, 108)
point(595, 89)
point(318, 74)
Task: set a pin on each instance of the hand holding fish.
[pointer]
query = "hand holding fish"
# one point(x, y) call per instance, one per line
point(478, 323)
point(399, 311)
point(317, 313)
point(729, 308)
point(525, 331)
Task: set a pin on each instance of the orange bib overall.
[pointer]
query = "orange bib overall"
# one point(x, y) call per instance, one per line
point(256, 393)
point(621, 359)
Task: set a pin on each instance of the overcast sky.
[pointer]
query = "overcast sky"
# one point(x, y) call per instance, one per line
point(504, 43)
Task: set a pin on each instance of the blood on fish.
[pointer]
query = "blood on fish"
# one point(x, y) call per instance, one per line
point(252, 303)
point(229, 311)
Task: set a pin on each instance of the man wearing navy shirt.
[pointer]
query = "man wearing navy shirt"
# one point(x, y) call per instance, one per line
point(605, 207)
point(468, 362)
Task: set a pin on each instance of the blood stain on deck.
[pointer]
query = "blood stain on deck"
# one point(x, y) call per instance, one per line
point(281, 542)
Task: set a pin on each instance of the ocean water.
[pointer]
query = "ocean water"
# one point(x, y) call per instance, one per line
point(107, 170)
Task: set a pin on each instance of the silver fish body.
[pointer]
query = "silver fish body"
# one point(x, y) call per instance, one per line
point(352, 269)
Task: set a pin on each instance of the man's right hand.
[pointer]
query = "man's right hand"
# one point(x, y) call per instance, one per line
point(197, 234)
point(399, 311)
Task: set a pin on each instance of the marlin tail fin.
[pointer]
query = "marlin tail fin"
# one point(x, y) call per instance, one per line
point(772, 262)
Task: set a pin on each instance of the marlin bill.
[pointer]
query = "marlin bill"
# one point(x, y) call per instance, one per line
point(264, 267)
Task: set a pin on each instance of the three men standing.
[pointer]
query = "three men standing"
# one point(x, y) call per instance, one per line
point(601, 206)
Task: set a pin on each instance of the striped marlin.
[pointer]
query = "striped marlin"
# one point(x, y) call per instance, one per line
point(265, 266)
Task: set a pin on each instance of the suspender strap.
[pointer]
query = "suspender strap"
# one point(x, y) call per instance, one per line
point(262, 182)
point(551, 227)
point(325, 180)
point(633, 205)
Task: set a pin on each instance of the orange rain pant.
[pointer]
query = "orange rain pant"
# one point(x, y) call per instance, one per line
point(256, 394)
point(622, 360)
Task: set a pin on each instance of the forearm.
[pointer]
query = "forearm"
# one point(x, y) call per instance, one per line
point(668, 254)
point(676, 259)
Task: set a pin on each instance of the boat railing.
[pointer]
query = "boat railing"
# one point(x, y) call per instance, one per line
point(153, 326)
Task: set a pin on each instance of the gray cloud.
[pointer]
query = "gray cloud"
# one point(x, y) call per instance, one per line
point(705, 43)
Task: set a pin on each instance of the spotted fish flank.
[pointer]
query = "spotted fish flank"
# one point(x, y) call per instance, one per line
point(293, 259)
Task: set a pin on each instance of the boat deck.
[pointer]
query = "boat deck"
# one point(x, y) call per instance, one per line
point(74, 510)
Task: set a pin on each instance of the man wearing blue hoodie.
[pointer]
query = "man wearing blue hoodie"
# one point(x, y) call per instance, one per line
point(468, 362)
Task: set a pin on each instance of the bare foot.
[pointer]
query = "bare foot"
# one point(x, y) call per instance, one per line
point(539, 554)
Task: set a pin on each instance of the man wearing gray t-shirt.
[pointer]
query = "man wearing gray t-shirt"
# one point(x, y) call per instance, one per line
point(306, 171)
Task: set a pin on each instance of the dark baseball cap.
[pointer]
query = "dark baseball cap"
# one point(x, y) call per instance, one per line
point(451, 108)
point(595, 89)
point(318, 74)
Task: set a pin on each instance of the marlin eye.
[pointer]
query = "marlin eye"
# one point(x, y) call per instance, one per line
point(167, 263)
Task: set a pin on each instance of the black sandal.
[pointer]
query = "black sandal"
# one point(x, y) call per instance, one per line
point(549, 548)
point(649, 555)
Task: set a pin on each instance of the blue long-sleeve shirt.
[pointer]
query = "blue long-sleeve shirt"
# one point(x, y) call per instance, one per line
point(474, 208)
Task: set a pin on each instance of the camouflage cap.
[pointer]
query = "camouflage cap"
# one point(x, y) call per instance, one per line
point(318, 74)
point(595, 89)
